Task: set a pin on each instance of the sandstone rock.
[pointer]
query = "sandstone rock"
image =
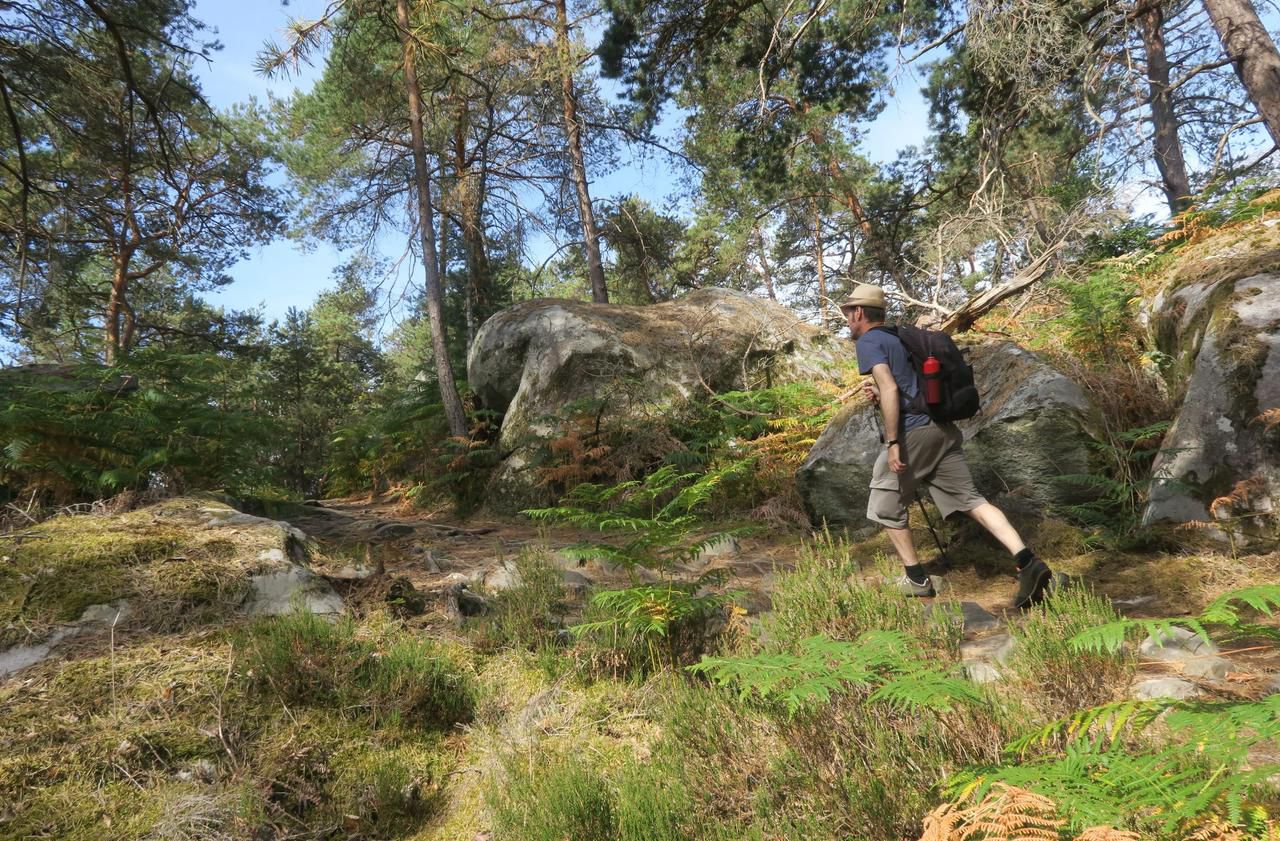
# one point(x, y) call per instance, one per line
point(1035, 426)
point(291, 588)
point(971, 616)
point(503, 577)
point(993, 649)
point(107, 614)
point(1164, 687)
point(1224, 338)
point(725, 547)
point(981, 672)
point(536, 360)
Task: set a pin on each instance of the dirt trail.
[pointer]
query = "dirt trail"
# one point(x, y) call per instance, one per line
point(435, 553)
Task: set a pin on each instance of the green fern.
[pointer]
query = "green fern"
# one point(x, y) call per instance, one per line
point(1224, 612)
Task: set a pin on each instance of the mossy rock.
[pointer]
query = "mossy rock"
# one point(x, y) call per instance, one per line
point(548, 364)
point(1220, 461)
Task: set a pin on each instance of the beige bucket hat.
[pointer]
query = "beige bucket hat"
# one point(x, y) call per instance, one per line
point(864, 295)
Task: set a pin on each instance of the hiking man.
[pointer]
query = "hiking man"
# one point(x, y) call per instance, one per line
point(919, 450)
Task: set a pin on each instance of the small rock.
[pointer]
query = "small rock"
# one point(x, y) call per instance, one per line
point(504, 577)
point(972, 616)
point(351, 572)
point(404, 599)
point(1136, 601)
point(107, 614)
point(1175, 644)
point(575, 580)
point(1272, 684)
point(563, 560)
point(723, 547)
point(272, 556)
point(1211, 667)
point(1164, 687)
point(283, 591)
point(981, 672)
point(995, 649)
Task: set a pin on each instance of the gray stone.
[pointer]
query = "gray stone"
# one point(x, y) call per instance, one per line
point(532, 360)
point(1035, 425)
point(971, 616)
point(1272, 684)
point(1212, 668)
point(107, 614)
point(1176, 644)
point(724, 547)
point(21, 656)
point(575, 580)
point(1164, 687)
point(995, 649)
point(1224, 338)
point(981, 672)
point(295, 587)
point(503, 577)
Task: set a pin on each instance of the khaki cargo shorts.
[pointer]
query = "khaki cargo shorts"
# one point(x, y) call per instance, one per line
point(934, 457)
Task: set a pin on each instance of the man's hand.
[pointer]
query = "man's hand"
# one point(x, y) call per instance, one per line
point(870, 389)
point(896, 464)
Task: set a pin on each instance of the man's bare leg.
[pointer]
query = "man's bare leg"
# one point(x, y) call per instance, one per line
point(993, 520)
point(903, 545)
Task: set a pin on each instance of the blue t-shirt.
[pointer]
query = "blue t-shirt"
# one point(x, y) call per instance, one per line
point(878, 346)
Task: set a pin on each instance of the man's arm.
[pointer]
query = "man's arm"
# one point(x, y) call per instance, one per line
point(891, 406)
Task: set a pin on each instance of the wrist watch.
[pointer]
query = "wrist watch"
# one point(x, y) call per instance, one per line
point(890, 443)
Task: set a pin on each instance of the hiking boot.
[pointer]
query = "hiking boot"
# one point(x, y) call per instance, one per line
point(1033, 581)
point(903, 585)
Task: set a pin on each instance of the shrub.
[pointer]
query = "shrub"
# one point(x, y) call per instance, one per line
point(552, 799)
point(1057, 676)
point(524, 616)
point(824, 594)
point(305, 660)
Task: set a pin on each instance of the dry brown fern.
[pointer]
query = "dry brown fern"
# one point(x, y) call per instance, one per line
point(1269, 418)
point(1217, 830)
point(1241, 495)
point(1005, 813)
point(1106, 833)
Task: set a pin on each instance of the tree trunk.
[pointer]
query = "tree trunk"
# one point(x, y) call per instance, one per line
point(1168, 150)
point(578, 167)
point(765, 273)
point(453, 410)
point(1253, 54)
point(115, 308)
point(471, 200)
point(818, 249)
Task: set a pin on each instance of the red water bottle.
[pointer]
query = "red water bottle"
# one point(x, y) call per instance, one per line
point(932, 381)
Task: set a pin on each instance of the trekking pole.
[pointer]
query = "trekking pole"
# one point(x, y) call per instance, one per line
point(943, 560)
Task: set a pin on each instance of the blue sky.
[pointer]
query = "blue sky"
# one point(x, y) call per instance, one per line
point(282, 274)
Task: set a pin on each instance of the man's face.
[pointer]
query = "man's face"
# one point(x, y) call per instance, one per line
point(857, 323)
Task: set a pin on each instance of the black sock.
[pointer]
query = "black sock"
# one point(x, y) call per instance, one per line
point(1023, 558)
point(917, 574)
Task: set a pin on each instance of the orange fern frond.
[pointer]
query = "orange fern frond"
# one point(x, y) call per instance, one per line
point(1269, 418)
point(1241, 494)
point(1006, 813)
point(1107, 833)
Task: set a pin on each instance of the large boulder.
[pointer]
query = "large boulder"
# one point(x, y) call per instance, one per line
point(540, 363)
point(1220, 460)
point(1036, 426)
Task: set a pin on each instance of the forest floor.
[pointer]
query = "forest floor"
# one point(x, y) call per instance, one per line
point(434, 552)
point(184, 719)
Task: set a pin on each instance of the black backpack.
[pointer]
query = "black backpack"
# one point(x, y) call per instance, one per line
point(959, 393)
